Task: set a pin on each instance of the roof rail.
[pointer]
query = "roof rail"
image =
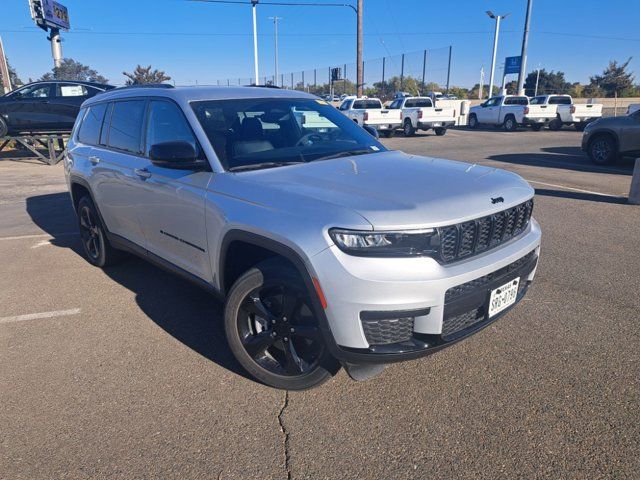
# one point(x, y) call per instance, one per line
point(148, 85)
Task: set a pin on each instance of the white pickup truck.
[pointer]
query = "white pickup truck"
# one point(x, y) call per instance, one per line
point(567, 112)
point(369, 111)
point(418, 113)
point(510, 111)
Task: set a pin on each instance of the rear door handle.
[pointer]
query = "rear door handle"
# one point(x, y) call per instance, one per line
point(94, 160)
point(142, 172)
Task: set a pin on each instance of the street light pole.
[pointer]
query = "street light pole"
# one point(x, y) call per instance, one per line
point(495, 46)
point(275, 25)
point(359, 72)
point(537, 80)
point(255, 40)
point(525, 41)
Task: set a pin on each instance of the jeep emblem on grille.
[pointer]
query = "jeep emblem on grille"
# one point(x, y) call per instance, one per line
point(497, 200)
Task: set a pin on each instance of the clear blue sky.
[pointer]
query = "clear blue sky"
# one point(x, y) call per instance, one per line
point(200, 42)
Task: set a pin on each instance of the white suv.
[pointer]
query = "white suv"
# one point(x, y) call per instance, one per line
point(328, 248)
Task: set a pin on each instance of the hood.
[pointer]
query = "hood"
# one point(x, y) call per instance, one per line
point(396, 190)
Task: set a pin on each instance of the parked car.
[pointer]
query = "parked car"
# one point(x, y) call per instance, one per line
point(418, 113)
point(328, 248)
point(45, 106)
point(567, 112)
point(510, 112)
point(370, 112)
point(607, 139)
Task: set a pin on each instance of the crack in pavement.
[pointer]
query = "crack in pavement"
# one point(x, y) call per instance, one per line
point(283, 429)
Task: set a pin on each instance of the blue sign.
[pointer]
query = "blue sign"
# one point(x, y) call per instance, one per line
point(512, 65)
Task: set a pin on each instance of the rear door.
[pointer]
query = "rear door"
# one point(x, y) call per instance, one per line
point(117, 162)
point(172, 205)
point(630, 134)
point(65, 103)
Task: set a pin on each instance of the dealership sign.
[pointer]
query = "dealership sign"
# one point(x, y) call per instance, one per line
point(48, 13)
point(512, 65)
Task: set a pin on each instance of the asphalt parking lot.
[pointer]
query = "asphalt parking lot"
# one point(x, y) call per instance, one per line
point(129, 376)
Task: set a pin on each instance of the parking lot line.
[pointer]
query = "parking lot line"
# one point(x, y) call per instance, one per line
point(38, 316)
point(38, 235)
point(576, 189)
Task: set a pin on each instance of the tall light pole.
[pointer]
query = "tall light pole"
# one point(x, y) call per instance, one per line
point(255, 41)
point(535, 94)
point(359, 72)
point(275, 25)
point(525, 41)
point(495, 46)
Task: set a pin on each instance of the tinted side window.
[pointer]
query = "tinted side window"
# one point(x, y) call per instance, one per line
point(365, 104)
point(125, 131)
point(395, 104)
point(346, 105)
point(424, 103)
point(166, 123)
point(409, 104)
point(89, 132)
point(35, 91)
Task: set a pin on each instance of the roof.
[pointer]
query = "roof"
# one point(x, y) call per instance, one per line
point(80, 82)
point(188, 94)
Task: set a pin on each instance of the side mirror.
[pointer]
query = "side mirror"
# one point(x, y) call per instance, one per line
point(179, 155)
point(372, 131)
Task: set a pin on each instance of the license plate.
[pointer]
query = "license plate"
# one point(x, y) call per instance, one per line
point(437, 124)
point(503, 297)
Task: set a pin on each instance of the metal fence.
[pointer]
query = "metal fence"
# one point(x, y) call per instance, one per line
point(415, 72)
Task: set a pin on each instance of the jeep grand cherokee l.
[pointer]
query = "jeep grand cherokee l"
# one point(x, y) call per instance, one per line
point(328, 248)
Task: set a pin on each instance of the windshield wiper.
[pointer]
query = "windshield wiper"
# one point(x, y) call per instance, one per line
point(347, 153)
point(259, 166)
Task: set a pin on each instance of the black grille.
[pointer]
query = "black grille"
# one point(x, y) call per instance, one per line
point(460, 322)
point(470, 238)
point(479, 282)
point(385, 331)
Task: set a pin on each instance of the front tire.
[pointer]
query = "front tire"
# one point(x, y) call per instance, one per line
point(603, 150)
point(96, 245)
point(272, 329)
point(473, 121)
point(536, 127)
point(510, 124)
point(440, 131)
point(555, 124)
point(408, 129)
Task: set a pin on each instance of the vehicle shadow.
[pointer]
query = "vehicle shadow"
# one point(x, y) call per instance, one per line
point(590, 197)
point(186, 312)
point(566, 158)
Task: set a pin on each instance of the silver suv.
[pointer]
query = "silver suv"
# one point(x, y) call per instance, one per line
point(328, 248)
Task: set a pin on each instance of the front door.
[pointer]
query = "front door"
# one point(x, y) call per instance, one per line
point(65, 103)
point(30, 109)
point(172, 208)
point(630, 135)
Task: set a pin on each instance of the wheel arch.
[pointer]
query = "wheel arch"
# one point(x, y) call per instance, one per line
point(605, 132)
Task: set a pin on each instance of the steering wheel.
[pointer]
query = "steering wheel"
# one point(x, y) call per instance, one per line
point(308, 139)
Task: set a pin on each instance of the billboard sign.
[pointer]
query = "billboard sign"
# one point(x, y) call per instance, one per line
point(512, 65)
point(48, 13)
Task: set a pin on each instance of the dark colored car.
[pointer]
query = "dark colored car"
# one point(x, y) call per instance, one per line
point(607, 139)
point(45, 106)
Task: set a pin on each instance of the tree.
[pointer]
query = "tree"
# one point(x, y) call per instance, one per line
point(548, 83)
point(145, 75)
point(615, 79)
point(72, 70)
point(13, 76)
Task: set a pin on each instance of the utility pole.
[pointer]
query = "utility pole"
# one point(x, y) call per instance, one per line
point(481, 85)
point(525, 41)
point(255, 40)
point(4, 70)
point(275, 26)
point(495, 46)
point(359, 72)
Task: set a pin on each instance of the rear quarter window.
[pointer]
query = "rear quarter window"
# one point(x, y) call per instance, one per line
point(91, 126)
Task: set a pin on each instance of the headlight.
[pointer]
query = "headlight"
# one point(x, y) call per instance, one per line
point(408, 243)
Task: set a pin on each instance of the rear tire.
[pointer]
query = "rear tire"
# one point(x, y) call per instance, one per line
point(4, 129)
point(510, 124)
point(536, 127)
point(408, 129)
point(602, 150)
point(96, 245)
point(473, 121)
point(273, 331)
point(555, 124)
point(580, 126)
point(440, 131)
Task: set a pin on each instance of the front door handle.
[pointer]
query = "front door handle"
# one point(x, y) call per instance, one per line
point(142, 173)
point(94, 160)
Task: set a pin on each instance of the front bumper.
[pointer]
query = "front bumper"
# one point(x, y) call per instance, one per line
point(420, 287)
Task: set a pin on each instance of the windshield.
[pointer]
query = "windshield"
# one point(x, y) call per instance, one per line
point(257, 133)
